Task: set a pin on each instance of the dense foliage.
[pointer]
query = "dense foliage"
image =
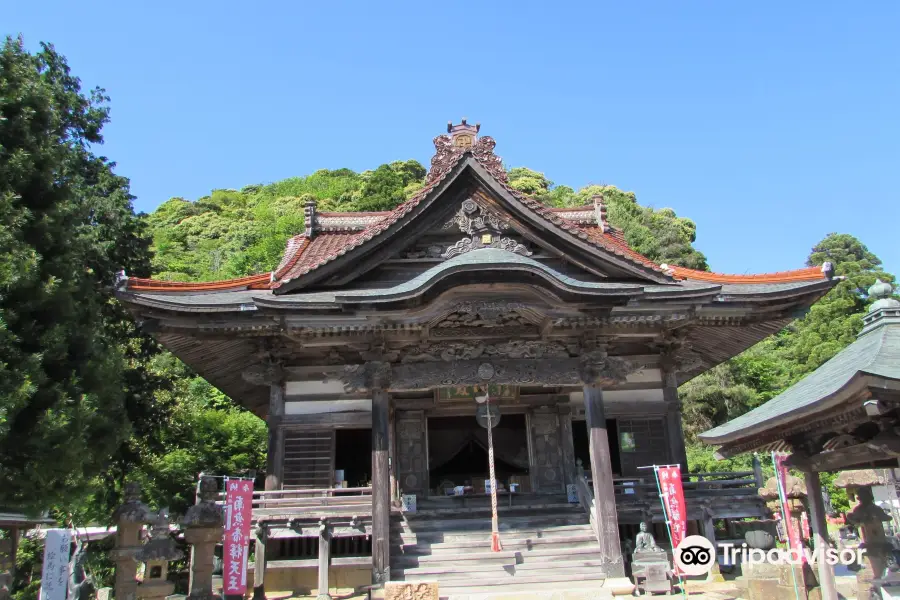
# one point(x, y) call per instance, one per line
point(69, 361)
point(235, 233)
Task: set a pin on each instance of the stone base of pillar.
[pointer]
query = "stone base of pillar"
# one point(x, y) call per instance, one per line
point(864, 579)
point(155, 590)
point(619, 586)
point(715, 574)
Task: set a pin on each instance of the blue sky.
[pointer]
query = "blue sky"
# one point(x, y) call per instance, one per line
point(769, 124)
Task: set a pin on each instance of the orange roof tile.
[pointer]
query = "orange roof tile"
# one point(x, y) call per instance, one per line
point(806, 274)
point(253, 282)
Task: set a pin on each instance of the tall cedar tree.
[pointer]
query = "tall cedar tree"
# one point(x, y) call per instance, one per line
point(71, 377)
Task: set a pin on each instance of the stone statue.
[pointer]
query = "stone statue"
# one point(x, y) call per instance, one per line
point(650, 564)
point(645, 542)
point(81, 587)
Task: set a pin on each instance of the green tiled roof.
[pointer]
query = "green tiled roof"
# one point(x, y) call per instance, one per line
point(876, 352)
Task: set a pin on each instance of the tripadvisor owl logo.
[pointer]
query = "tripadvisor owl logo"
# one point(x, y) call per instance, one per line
point(695, 555)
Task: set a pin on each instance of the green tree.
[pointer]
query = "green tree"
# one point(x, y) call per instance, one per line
point(66, 228)
point(770, 367)
point(834, 321)
point(660, 235)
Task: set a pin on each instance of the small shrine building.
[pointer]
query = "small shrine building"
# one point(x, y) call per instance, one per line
point(844, 416)
point(364, 348)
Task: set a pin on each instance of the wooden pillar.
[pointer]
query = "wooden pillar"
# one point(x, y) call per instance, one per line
point(381, 492)
point(708, 529)
point(568, 445)
point(757, 472)
point(820, 533)
point(708, 526)
point(275, 455)
point(392, 455)
point(324, 559)
point(601, 472)
point(674, 430)
point(259, 570)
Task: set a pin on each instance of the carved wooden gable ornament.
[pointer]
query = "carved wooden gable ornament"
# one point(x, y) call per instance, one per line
point(467, 191)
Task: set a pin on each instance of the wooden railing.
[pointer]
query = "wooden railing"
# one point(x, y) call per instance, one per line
point(312, 503)
point(586, 500)
point(696, 485)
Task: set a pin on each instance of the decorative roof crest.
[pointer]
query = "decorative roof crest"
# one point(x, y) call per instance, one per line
point(463, 135)
point(462, 139)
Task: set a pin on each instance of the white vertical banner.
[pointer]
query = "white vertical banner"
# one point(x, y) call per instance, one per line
point(55, 573)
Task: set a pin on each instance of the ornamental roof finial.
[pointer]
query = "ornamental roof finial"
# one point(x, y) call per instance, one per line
point(883, 294)
point(463, 135)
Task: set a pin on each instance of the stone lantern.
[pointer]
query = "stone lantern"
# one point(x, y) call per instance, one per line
point(766, 581)
point(156, 555)
point(204, 527)
point(794, 492)
point(129, 519)
point(870, 519)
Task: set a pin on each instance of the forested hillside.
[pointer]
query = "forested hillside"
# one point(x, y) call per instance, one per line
point(235, 233)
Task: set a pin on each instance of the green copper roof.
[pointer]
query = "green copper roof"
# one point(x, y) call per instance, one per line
point(876, 352)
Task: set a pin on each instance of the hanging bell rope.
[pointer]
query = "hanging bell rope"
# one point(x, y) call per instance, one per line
point(495, 527)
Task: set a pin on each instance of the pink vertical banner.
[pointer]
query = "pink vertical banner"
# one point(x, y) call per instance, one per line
point(673, 500)
point(236, 546)
point(790, 526)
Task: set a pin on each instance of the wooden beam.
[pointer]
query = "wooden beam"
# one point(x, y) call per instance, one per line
point(324, 552)
point(381, 488)
point(361, 419)
point(601, 473)
point(864, 455)
point(674, 429)
point(820, 533)
point(275, 454)
point(259, 571)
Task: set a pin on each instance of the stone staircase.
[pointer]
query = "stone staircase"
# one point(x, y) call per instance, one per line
point(547, 543)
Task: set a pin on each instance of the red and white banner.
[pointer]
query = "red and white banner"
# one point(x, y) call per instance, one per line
point(238, 512)
point(790, 526)
point(673, 499)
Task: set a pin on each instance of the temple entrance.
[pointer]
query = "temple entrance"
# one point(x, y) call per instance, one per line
point(353, 456)
point(458, 456)
point(582, 445)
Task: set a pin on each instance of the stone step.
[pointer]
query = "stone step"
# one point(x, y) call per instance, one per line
point(478, 535)
point(546, 507)
point(462, 559)
point(448, 584)
point(524, 522)
point(552, 555)
point(580, 590)
point(444, 572)
point(457, 508)
point(483, 541)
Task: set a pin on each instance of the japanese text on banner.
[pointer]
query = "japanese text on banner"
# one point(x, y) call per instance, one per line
point(55, 580)
point(238, 512)
point(790, 525)
point(673, 498)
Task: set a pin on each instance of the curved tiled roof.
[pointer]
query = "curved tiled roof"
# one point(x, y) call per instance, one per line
point(807, 274)
point(253, 282)
point(343, 232)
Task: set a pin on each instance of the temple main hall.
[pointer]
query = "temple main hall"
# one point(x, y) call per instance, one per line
point(367, 349)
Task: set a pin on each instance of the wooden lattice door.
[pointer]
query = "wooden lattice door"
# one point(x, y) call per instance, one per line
point(308, 459)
